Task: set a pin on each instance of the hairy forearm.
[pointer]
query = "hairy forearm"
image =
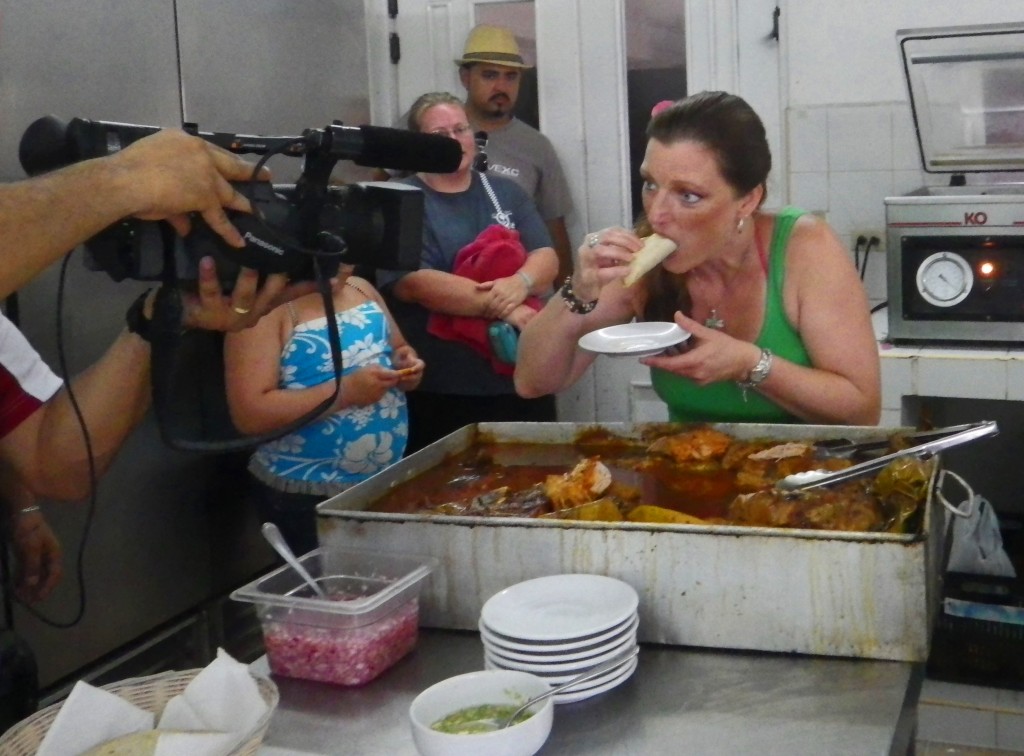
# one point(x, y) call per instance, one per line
point(43, 218)
point(113, 396)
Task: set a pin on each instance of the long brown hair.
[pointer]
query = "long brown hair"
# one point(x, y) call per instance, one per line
point(727, 125)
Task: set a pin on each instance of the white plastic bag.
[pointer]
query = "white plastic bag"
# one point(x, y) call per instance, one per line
point(977, 547)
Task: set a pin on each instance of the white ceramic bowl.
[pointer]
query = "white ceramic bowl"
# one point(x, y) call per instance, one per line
point(474, 689)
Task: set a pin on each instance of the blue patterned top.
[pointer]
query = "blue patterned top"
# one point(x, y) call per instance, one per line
point(340, 450)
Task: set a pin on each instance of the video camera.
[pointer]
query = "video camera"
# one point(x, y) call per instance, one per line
point(374, 224)
point(305, 230)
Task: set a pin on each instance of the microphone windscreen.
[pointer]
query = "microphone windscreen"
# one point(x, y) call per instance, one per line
point(408, 150)
point(45, 146)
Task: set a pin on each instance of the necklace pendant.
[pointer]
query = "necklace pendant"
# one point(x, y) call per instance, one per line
point(713, 321)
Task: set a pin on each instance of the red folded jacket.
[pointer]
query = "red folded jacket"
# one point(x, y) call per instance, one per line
point(495, 253)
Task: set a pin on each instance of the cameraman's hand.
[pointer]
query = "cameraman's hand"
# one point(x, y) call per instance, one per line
point(365, 386)
point(38, 555)
point(211, 309)
point(172, 173)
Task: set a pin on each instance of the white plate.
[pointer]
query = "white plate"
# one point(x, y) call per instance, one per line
point(578, 694)
point(589, 688)
point(558, 652)
point(570, 666)
point(633, 339)
point(560, 608)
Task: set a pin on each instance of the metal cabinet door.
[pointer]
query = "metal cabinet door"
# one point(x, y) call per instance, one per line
point(274, 67)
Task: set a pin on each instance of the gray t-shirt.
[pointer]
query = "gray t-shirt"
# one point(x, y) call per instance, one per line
point(451, 221)
point(521, 153)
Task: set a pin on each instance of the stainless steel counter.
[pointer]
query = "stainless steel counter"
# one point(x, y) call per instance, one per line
point(680, 700)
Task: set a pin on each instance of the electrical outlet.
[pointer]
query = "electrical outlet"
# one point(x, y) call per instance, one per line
point(861, 238)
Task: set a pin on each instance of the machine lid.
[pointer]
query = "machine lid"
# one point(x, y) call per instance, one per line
point(966, 86)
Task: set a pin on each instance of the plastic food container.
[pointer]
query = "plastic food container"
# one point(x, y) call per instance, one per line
point(369, 620)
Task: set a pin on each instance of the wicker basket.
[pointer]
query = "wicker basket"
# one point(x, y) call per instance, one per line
point(150, 693)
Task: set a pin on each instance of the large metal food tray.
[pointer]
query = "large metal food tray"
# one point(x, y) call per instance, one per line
point(870, 595)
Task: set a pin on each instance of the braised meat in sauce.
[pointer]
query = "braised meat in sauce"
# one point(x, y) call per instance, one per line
point(698, 476)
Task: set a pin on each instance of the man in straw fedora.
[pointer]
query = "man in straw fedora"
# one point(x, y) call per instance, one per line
point(490, 69)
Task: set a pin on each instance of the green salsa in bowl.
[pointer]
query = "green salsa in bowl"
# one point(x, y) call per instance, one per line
point(442, 716)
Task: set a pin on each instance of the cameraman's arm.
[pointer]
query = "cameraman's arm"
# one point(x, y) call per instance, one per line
point(163, 176)
point(47, 448)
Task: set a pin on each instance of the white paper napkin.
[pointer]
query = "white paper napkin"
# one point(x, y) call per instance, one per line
point(215, 712)
point(91, 716)
point(224, 697)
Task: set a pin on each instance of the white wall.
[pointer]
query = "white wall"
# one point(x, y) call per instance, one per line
point(850, 135)
point(843, 52)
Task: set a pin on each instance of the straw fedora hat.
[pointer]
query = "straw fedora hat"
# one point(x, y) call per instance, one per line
point(491, 44)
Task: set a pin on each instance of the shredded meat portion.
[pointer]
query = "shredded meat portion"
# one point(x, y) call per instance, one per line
point(584, 483)
point(698, 445)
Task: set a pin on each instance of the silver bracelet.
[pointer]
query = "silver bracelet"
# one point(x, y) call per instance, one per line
point(758, 373)
point(526, 278)
point(29, 510)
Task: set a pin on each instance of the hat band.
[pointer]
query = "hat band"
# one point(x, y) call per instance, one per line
point(493, 56)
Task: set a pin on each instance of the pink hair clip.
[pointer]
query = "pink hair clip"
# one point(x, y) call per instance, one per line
point(663, 105)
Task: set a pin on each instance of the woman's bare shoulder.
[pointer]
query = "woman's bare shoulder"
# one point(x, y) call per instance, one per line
point(363, 286)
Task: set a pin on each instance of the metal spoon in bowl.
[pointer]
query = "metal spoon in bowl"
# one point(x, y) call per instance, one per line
point(275, 539)
point(616, 661)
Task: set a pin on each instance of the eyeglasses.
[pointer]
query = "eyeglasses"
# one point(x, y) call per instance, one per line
point(455, 132)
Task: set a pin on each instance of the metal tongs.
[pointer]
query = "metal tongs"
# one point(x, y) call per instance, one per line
point(947, 438)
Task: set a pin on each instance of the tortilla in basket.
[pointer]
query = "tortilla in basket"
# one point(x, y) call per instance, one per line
point(137, 744)
point(144, 743)
point(656, 248)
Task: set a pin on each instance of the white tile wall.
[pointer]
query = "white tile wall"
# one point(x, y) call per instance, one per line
point(971, 715)
point(844, 160)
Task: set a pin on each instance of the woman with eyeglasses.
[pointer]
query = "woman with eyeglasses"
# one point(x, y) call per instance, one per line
point(486, 257)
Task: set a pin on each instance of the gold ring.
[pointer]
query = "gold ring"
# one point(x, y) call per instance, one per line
point(242, 310)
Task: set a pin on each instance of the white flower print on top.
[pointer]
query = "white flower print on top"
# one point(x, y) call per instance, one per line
point(356, 442)
point(367, 454)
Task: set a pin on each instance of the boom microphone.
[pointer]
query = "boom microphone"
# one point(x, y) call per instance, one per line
point(380, 147)
point(50, 143)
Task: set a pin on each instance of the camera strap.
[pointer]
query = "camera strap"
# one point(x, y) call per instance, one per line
point(189, 391)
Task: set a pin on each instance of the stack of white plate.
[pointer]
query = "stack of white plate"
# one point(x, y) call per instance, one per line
point(560, 626)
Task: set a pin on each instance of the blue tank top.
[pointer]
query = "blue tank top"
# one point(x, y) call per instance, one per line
point(340, 450)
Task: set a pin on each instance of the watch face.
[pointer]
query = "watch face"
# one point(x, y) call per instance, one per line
point(944, 279)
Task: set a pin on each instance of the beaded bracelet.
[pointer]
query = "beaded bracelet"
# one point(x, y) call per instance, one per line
point(574, 303)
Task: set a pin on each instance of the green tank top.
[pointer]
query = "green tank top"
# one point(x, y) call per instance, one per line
point(723, 402)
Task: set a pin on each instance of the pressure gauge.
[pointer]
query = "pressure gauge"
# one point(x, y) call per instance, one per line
point(944, 279)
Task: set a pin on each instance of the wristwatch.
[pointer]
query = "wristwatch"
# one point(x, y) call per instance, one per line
point(136, 319)
point(759, 372)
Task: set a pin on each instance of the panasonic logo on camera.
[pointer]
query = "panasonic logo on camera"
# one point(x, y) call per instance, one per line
point(263, 243)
